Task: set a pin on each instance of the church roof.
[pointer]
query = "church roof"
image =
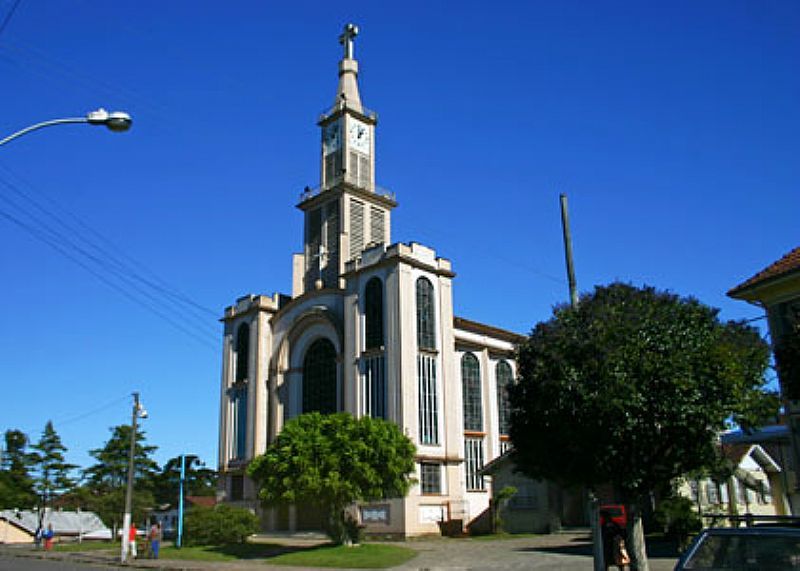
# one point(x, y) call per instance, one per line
point(788, 264)
point(483, 329)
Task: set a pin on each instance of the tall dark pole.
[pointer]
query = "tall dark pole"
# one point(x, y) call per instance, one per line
point(573, 286)
point(126, 521)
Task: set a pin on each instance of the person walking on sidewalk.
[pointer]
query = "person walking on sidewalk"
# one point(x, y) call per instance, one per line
point(155, 539)
point(132, 540)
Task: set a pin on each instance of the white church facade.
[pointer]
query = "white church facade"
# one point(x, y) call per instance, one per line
point(369, 329)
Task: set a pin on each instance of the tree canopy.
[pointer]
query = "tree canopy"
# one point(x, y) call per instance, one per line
point(334, 460)
point(198, 481)
point(632, 387)
point(16, 483)
point(52, 471)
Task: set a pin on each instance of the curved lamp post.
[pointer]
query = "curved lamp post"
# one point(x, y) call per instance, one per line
point(117, 121)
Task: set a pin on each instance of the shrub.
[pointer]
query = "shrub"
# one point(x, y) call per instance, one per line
point(676, 516)
point(220, 525)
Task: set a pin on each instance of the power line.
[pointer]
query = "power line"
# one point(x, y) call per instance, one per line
point(7, 19)
point(206, 340)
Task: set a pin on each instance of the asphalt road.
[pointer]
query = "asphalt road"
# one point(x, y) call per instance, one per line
point(18, 563)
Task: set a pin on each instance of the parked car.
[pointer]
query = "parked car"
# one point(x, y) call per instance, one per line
point(743, 549)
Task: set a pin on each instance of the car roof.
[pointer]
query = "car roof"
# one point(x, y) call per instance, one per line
point(759, 530)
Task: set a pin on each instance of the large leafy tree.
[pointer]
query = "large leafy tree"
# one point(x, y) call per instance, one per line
point(199, 480)
point(51, 470)
point(332, 461)
point(16, 483)
point(107, 479)
point(631, 388)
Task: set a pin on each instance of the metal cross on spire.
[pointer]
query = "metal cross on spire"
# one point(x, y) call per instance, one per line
point(346, 39)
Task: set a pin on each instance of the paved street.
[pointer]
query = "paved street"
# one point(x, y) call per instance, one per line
point(557, 552)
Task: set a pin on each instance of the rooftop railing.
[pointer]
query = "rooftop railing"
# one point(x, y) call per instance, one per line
point(328, 111)
point(309, 193)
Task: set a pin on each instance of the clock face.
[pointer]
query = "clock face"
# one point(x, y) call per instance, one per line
point(331, 137)
point(358, 136)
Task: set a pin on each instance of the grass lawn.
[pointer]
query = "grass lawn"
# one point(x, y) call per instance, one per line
point(364, 556)
point(368, 555)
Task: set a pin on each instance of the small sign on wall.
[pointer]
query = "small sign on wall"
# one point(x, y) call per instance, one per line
point(375, 514)
point(431, 514)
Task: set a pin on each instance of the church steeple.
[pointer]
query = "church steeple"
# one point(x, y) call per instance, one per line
point(347, 94)
point(347, 212)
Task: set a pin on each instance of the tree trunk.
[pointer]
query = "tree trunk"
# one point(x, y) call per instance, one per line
point(636, 546)
point(597, 536)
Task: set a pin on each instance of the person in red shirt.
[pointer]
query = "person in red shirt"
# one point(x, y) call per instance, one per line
point(132, 539)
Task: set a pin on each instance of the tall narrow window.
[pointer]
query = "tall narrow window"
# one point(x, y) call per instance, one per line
point(373, 401)
point(319, 378)
point(242, 352)
point(238, 393)
point(426, 317)
point(504, 380)
point(428, 400)
point(426, 364)
point(373, 314)
point(471, 390)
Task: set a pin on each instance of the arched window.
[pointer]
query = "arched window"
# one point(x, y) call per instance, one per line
point(426, 317)
point(471, 384)
point(504, 380)
point(373, 314)
point(242, 352)
point(319, 378)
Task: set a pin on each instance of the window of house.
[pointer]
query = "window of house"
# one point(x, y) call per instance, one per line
point(504, 379)
point(712, 492)
point(430, 478)
point(319, 378)
point(471, 391)
point(373, 389)
point(473, 463)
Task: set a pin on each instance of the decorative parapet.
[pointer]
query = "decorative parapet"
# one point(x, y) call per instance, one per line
point(252, 302)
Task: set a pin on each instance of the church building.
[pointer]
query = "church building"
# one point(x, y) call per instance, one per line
point(368, 329)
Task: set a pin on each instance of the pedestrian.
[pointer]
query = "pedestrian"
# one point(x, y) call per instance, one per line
point(155, 539)
point(132, 540)
point(48, 536)
point(37, 537)
point(614, 550)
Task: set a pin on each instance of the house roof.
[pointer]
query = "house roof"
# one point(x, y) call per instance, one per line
point(490, 330)
point(788, 264)
point(202, 501)
point(63, 522)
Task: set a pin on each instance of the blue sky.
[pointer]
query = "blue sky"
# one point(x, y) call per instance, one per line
point(673, 128)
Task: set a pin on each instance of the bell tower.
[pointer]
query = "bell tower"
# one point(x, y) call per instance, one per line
point(347, 212)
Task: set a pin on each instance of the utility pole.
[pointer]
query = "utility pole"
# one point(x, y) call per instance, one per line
point(179, 542)
point(138, 412)
point(573, 286)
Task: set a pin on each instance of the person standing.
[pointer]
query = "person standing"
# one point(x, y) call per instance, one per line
point(155, 539)
point(48, 536)
point(132, 540)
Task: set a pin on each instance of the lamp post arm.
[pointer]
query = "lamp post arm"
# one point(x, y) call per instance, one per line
point(42, 125)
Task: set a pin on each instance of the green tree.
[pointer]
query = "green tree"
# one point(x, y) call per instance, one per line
point(16, 484)
point(631, 388)
point(220, 525)
point(332, 461)
point(51, 470)
point(199, 480)
point(107, 479)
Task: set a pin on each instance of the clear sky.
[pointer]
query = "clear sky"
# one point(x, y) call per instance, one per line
point(673, 127)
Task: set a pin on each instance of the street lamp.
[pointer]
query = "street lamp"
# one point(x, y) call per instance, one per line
point(138, 412)
point(117, 121)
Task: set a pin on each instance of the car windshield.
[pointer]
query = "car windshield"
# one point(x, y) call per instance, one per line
point(746, 553)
